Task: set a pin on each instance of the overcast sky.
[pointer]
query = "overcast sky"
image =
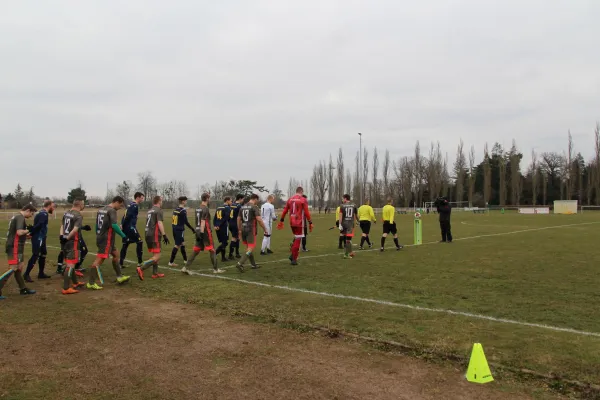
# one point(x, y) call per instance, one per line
point(96, 91)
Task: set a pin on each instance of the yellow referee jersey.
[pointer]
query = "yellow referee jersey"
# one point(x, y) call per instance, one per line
point(337, 213)
point(388, 213)
point(365, 213)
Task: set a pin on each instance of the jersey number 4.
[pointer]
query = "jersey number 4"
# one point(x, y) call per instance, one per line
point(175, 219)
point(219, 214)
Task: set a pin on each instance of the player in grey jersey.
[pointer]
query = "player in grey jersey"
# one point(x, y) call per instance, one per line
point(15, 246)
point(348, 214)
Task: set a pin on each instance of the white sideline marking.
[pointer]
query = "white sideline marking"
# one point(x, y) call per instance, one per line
point(427, 243)
point(389, 303)
point(401, 305)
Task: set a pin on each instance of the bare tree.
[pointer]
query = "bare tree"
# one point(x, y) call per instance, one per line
point(544, 182)
point(568, 173)
point(349, 187)
point(597, 164)
point(534, 177)
point(375, 180)
point(487, 175)
point(405, 175)
point(591, 176)
point(445, 177)
point(418, 171)
point(433, 171)
point(460, 166)
point(124, 189)
point(356, 187)
point(340, 176)
point(330, 182)
point(319, 183)
point(147, 184)
point(502, 180)
point(386, 174)
point(515, 174)
point(471, 175)
point(365, 175)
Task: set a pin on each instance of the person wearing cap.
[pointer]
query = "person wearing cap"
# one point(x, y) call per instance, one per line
point(15, 247)
point(179, 222)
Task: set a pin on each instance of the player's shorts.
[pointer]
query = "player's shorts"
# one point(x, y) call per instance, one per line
point(15, 255)
point(389, 227)
point(153, 247)
point(298, 231)
point(178, 236)
point(71, 251)
point(38, 246)
point(348, 230)
point(223, 235)
point(233, 229)
point(365, 227)
point(132, 236)
point(268, 227)
point(204, 241)
point(249, 238)
point(106, 246)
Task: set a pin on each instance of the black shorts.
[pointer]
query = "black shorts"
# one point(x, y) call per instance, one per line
point(178, 237)
point(233, 229)
point(389, 227)
point(365, 227)
point(223, 235)
point(38, 246)
point(132, 236)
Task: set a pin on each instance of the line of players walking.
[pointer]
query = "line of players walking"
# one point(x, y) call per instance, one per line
point(236, 219)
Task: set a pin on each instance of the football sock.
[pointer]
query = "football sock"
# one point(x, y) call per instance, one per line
point(183, 254)
point(140, 252)
point(382, 241)
point(19, 279)
point(123, 252)
point(396, 242)
point(173, 254)
point(116, 267)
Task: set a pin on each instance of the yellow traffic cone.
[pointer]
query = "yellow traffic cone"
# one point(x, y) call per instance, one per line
point(479, 370)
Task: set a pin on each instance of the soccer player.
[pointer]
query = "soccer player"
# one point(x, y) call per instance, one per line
point(38, 241)
point(389, 225)
point(267, 213)
point(69, 238)
point(221, 224)
point(179, 222)
point(81, 252)
point(106, 228)
point(129, 224)
point(348, 213)
point(365, 217)
point(15, 246)
point(204, 239)
point(305, 224)
point(297, 206)
point(342, 238)
point(248, 217)
point(233, 226)
point(154, 230)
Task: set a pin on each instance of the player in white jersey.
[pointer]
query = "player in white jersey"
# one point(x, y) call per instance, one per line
point(267, 213)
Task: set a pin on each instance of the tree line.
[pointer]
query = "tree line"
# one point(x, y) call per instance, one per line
point(499, 179)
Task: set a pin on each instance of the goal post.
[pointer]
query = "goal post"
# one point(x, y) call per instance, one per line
point(589, 208)
point(565, 206)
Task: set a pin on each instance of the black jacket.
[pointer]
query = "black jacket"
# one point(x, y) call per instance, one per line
point(444, 211)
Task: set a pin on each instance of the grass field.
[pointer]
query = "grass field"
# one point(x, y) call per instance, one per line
point(525, 286)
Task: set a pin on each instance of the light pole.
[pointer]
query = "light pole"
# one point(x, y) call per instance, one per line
point(360, 181)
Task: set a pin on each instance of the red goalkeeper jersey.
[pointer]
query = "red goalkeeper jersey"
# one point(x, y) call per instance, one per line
point(297, 206)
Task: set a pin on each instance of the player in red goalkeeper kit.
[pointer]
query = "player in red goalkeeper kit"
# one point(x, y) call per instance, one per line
point(297, 206)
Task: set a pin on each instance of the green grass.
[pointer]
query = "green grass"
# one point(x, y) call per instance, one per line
point(533, 275)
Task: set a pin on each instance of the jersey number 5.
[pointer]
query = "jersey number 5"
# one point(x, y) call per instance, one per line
point(100, 221)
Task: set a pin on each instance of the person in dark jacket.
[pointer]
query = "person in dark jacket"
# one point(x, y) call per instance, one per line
point(444, 209)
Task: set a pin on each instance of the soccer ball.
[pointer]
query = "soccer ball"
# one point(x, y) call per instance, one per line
point(417, 215)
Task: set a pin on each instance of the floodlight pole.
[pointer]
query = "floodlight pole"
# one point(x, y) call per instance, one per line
point(360, 180)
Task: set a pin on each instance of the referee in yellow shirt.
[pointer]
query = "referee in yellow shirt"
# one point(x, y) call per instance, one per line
point(365, 217)
point(389, 225)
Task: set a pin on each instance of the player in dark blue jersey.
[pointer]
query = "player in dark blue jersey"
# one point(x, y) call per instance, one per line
point(179, 222)
point(38, 241)
point(233, 227)
point(129, 228)
point(221, 225)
